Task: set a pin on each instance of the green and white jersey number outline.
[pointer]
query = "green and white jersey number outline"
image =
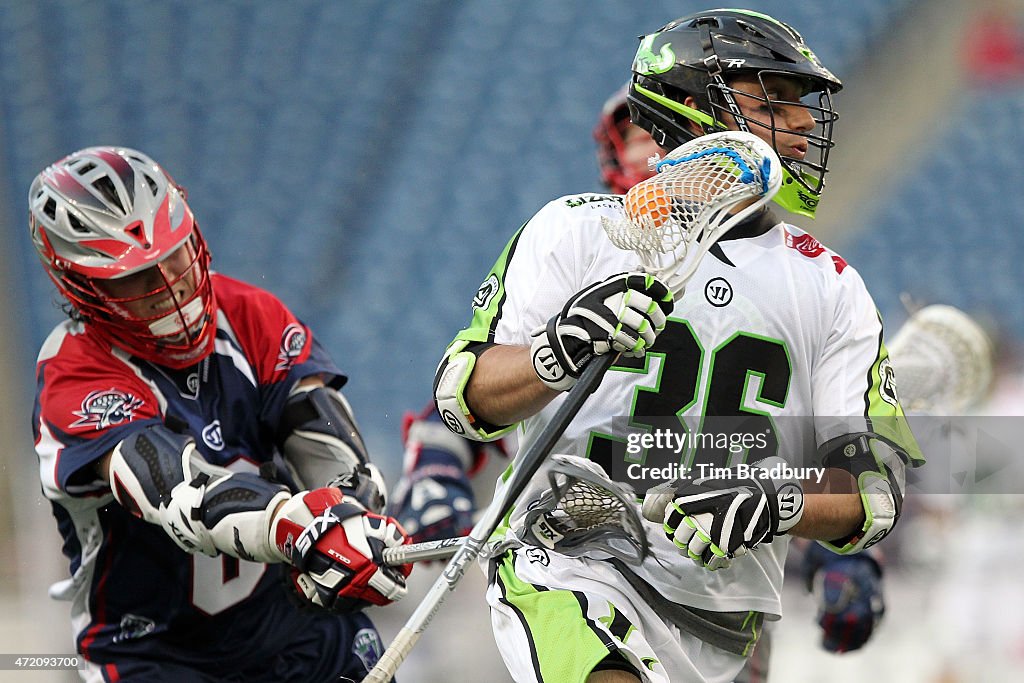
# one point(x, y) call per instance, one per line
point(676, 389)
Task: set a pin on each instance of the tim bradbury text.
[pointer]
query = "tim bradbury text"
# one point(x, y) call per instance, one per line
point(776, 472)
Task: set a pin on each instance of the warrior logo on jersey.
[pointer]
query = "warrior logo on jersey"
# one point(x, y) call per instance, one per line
point(486, 292)
point(887, 390)
point(367, 646)
point(293, 341)
point(192, 385)
point(718, 292)
point(102, 409)
point(212, 436)
point(538, 555)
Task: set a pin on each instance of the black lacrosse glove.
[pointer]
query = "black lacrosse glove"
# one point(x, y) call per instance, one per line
point(624, 314)
point(714, 519)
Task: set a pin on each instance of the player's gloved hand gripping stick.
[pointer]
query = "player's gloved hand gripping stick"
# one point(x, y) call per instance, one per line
point(702, 190)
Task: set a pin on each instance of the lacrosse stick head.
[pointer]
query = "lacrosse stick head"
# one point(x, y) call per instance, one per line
point(583, 511)
point(702, 189)
point(943, 361)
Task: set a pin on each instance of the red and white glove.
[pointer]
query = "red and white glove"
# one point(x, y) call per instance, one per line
point(336, 548)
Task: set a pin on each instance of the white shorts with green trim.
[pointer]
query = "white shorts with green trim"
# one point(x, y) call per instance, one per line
point(555, 618)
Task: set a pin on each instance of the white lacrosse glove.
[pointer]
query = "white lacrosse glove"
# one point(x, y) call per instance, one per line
point(712, 520)
point(624, 314)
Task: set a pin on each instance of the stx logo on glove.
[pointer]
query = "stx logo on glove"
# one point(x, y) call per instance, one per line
point(545, 533)
point(317, 528)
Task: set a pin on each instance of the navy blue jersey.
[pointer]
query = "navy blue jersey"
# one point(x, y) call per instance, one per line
point(136, 595)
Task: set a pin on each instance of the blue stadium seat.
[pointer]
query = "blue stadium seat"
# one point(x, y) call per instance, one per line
point(367, 160)
point(950, 231)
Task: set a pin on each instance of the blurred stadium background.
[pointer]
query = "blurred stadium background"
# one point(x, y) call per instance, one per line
point(365, 160)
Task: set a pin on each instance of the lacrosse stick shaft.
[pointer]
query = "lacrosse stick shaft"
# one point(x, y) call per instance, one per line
point(422, 552)
point(528, 464)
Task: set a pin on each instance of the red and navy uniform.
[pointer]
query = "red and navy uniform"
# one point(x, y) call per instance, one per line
point(143, 608)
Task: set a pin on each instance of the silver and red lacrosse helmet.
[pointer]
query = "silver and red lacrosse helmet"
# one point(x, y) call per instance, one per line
point(108, 214)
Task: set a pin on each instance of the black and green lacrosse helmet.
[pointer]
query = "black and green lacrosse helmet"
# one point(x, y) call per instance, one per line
point(700, 54)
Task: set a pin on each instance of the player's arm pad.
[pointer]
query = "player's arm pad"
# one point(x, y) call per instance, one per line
point(450, 382)
point(320, 440)
point(159, 476)
point(879, 467)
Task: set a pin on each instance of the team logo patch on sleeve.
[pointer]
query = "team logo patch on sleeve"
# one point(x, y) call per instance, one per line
point(293, 341)
point(213, 436)
point(805, 244)
point(484, 295)
point(887, 390)
point(368, 647)
point(102, 409)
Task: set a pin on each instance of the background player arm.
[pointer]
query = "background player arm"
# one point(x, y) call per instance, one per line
point(849, 595)
point(434, 498)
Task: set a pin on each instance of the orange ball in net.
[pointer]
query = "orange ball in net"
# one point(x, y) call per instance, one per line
point(648, 205)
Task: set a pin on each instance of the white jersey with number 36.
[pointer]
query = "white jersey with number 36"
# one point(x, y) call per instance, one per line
point(773, 325)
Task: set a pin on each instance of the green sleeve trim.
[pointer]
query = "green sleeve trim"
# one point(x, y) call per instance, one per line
point(490, 297)
point(884, 409)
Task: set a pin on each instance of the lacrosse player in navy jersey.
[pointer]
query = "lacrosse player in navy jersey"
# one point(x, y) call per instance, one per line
point(801, 338)
point(218, 509)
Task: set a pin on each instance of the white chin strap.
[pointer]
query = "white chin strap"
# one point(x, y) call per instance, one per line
point(170, 326)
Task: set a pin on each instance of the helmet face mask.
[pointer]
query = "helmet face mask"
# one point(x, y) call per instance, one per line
point(685, 84)
point(120, 243)
point(807, 168)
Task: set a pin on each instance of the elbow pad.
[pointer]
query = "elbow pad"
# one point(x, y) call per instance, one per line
point(880, 471)
point(450, 383)
point(320, 440)
point(160, 477)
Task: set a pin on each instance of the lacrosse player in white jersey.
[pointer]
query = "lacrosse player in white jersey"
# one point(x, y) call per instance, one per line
point(772, 327)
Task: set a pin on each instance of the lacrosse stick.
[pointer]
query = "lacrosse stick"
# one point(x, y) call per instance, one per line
point(943, 361)
point(582, 510)
point(427, 551)
point(528, 462)
point(689, 202)
point(701, 191)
